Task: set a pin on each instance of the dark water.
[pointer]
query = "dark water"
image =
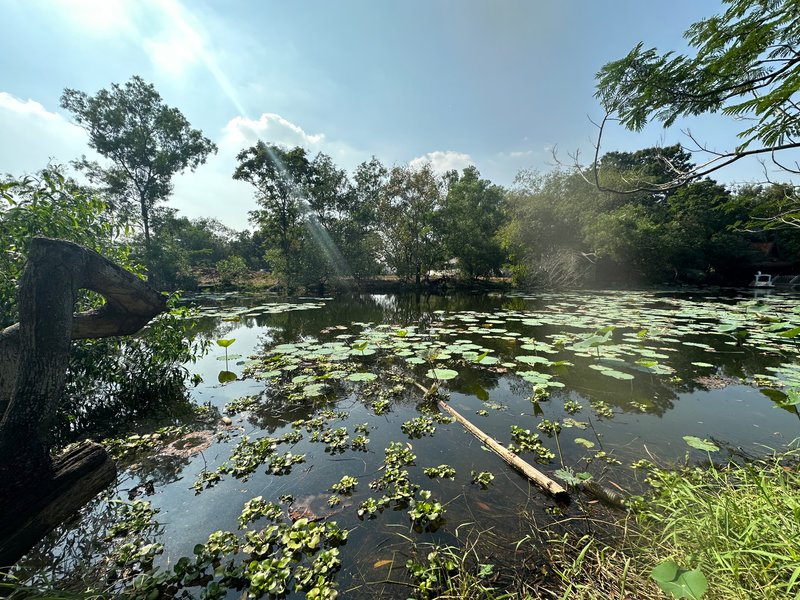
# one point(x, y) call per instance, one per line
point(666, 370)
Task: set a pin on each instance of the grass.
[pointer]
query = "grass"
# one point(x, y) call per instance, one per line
point(739, 524)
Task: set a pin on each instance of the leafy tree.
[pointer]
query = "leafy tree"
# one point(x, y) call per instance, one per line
point(562, 228)
point(745, 65)
point(182, 248)
point(469, 221)
point(250, 246)
point(50, 204)
point(282, 178)
point(544, 233)
point(231, 269)
point(321, 245)
point(147, 142)
point(409, 203)
point(357, 230)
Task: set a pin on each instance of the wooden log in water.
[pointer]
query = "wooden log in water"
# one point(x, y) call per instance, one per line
point(533, 474)
point(604, 494)
point(78, 475)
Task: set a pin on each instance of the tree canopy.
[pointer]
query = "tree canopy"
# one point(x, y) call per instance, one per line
point(147, 141)
point(745, 65)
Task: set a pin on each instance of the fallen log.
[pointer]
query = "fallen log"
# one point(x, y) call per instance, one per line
point(79, 474)
point(533, 474)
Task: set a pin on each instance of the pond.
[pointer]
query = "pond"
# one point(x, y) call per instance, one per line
point(323, 415)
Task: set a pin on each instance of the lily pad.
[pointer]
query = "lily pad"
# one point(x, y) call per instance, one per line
point(678, 582)
point(441, 374)
point(362, 377)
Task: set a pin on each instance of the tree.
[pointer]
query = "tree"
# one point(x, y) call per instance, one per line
point(147, 142)
point(53, 205)
point(469, 221)
point(231, 269)
point(357, 230)
point(109, 380)
point(282, 178)
point(745, 65)
point(409, 203)
point(543, 236)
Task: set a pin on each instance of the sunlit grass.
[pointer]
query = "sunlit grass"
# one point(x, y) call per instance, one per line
point(740, 525)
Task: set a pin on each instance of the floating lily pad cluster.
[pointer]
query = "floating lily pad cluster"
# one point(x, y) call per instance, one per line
point(274, 308)
point(622, 337)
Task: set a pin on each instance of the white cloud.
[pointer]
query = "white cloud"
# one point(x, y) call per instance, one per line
point(270, 127)
point(515, 154)
point(442, 161)
point(33, 136)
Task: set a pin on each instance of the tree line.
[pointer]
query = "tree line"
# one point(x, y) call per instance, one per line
point(316, 225)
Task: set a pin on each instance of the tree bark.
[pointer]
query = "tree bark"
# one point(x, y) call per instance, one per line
point(79, 474)
point(35, 356)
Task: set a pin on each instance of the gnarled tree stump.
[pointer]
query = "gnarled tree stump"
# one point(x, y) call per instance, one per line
point(37, 492)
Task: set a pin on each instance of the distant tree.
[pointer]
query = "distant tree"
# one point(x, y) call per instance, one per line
point(357, 230)
point(281, 178)
point(322, 247)
point(409, 203)
point(182, 247)
point(147, 142)
point(231, 269)
point(745, 65)
point(543, 235)
point(469, 221)
point(250, 246)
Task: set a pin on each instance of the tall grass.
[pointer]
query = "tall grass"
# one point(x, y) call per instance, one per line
point(740, 525)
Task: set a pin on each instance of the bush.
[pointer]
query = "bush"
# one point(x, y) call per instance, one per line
point(231, 269)
point(115, 380)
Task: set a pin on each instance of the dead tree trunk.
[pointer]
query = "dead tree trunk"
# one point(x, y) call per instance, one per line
point(39, 492)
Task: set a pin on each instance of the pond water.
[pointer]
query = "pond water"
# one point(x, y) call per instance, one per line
point(604, 379)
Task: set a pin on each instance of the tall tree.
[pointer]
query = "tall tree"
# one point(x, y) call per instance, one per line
point(745, 65)
point(411, 199)
point(147, 142)
point(469, 221)
point(282, 178)
point(357, 231)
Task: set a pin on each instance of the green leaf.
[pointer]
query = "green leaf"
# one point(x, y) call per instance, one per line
point(315, 389)
point(584, 442)
point(571, 478)
point(441, 374)
point(362, 377)
point(533, 360)
point(696, 442)
point(616, 374)
point(791, 333)
point(225, 343)
point(678, 582)
point(226, 376)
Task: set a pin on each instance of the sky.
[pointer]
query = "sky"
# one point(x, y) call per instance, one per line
point(499, 84)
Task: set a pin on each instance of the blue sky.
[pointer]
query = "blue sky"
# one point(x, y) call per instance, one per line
point(498, 84)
